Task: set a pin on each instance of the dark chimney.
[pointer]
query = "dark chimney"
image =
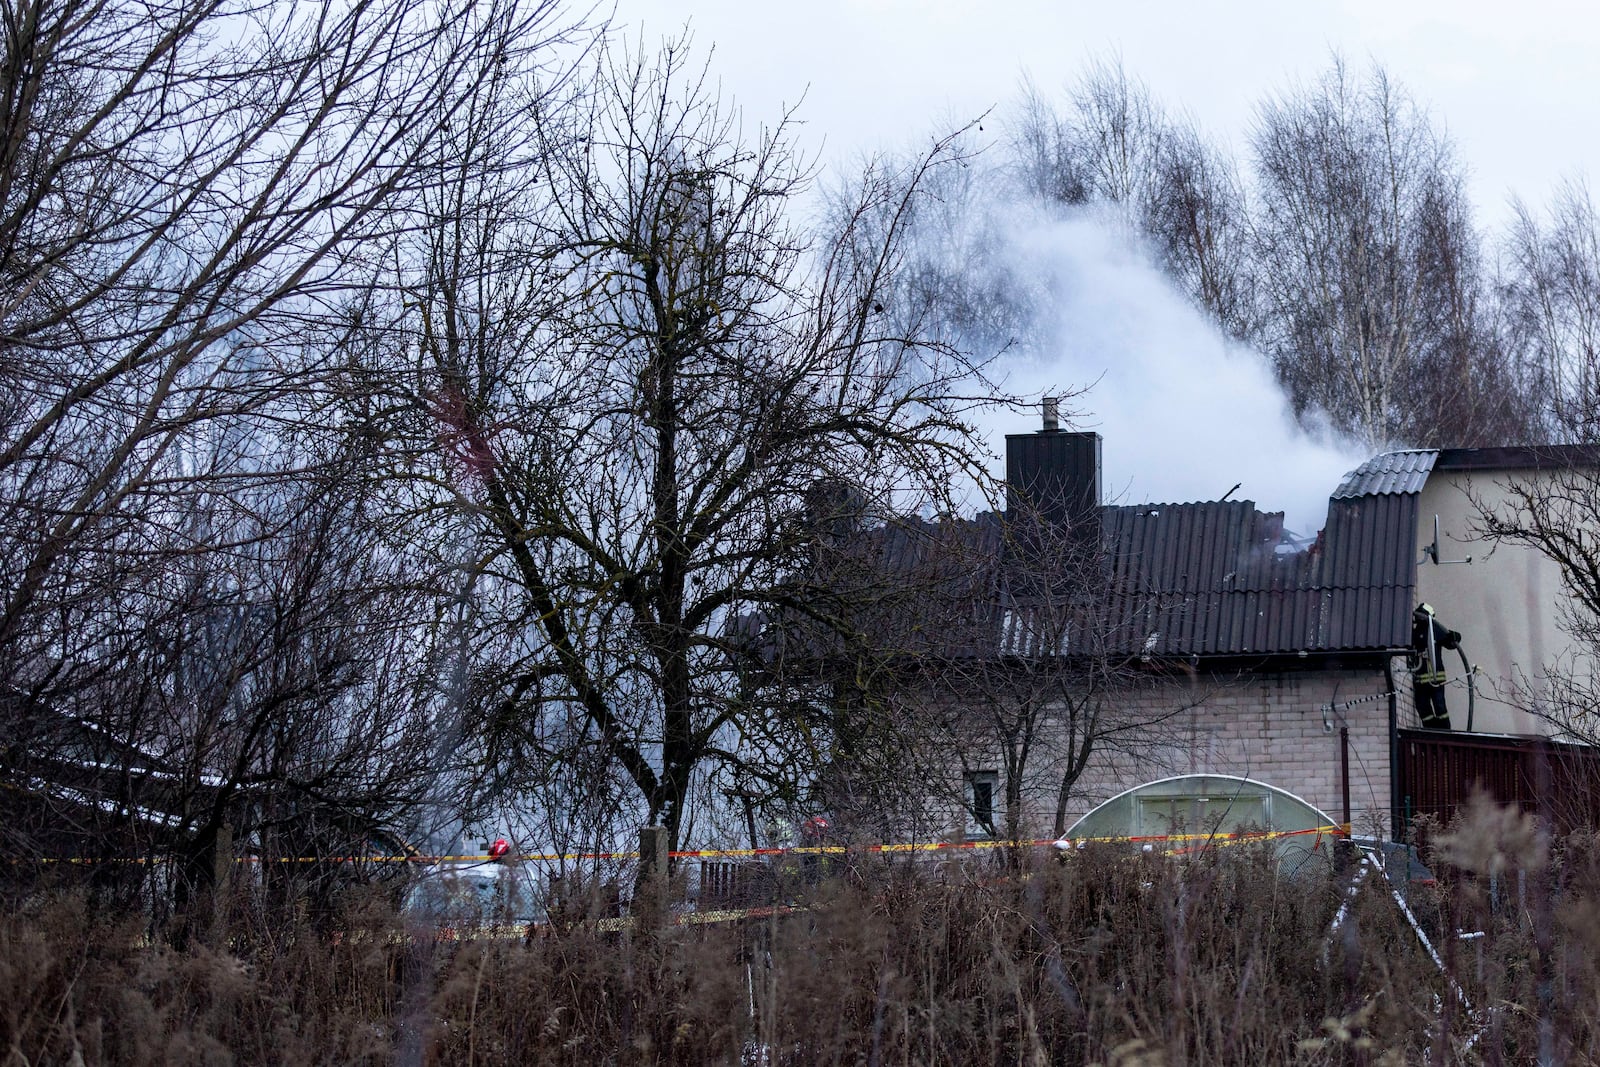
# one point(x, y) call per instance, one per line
point(1055, 473)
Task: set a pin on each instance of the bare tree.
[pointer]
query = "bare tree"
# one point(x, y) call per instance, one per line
point(187, 185)
point(1368, 262)
point(1112, 144)
point(1551, 295)
point(971, 278)
point(1104, 149)
point(963, 279)
point(1196, 214)
point(640, 396)
point(198, 202)
point(267, 691)
point(1469, 382)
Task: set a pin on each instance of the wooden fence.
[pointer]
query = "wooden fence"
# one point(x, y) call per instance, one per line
point(1440, 770)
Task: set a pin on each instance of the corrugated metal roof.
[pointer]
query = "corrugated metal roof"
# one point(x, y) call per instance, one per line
point(1391, 472)
point(1179, 580)
point(1210, 579)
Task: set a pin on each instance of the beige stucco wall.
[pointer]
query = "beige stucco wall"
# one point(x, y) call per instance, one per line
point(1266, 726)
point(1505, 603)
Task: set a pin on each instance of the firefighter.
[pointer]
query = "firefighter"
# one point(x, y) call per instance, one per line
point(1428, 640)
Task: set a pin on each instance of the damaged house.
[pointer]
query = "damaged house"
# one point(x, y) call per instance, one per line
point(1070, 650)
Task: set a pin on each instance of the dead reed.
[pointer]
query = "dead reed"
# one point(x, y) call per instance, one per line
point(1108, 957)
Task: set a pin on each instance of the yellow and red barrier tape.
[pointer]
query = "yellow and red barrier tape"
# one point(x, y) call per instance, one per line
point(1237, 837)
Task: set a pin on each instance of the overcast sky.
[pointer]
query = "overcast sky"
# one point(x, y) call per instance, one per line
point(1514, 85)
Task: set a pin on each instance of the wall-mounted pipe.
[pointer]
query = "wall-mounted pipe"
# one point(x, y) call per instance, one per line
point(1397, 822)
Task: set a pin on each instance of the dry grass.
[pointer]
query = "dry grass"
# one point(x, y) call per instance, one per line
point(1107, 958)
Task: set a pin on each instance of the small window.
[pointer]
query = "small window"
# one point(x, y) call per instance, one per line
point(981, 786)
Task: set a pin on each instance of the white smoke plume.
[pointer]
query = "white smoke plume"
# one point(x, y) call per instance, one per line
point(1184, 412)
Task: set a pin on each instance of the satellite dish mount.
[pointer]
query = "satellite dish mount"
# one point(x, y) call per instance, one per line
point(1432, 551)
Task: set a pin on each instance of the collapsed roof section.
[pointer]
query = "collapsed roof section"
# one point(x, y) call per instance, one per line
point(1213, 579)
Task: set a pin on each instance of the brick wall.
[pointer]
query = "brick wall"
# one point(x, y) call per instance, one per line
point(1269, 727)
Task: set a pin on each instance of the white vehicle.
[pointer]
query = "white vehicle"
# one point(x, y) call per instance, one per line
point(475, 895)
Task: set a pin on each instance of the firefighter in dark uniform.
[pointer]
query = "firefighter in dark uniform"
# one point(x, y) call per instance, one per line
point(1429, 639)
